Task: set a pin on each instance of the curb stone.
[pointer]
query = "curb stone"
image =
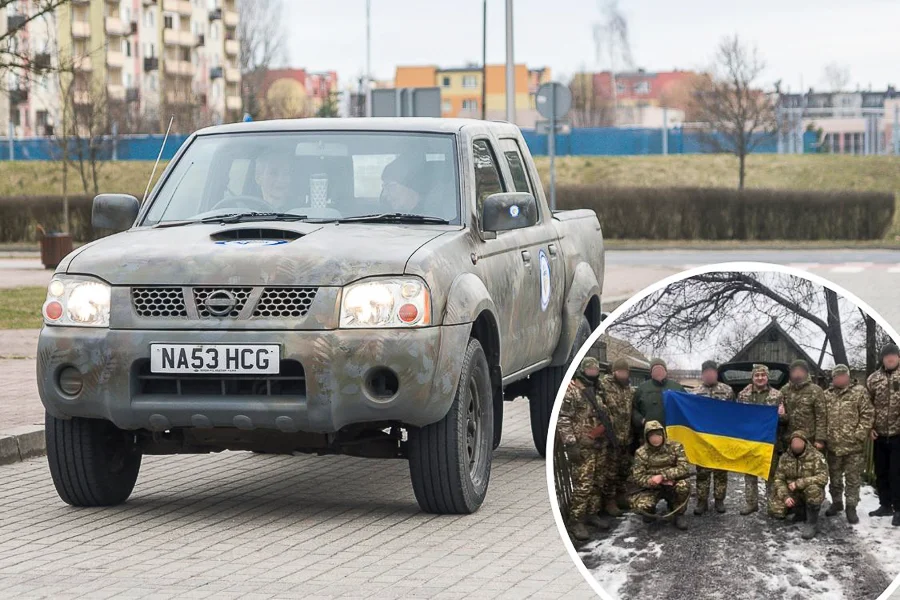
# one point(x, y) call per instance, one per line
point(22, 443)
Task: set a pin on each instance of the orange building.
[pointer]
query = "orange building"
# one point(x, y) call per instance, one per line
point(461, 89)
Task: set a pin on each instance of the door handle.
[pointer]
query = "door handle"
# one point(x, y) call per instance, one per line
point(552, 249)
point(526, 257)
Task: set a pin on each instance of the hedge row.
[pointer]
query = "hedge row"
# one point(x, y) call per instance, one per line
point(625, 213)
point(727, 214)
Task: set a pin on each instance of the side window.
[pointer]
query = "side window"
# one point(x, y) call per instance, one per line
point(487, 176)
point(517, 168)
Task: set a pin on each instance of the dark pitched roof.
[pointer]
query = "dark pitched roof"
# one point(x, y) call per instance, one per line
point(773, 324)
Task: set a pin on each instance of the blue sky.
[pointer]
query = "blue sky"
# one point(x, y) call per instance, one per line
point(797, 38)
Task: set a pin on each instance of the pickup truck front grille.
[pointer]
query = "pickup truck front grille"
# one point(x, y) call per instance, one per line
point(290, 381)
point(264, 302)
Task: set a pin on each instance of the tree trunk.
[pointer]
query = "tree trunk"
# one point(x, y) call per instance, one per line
point(742, 157)
point(834, 333)
point(871, 345)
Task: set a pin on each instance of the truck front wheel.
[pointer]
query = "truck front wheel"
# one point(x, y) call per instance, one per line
point(450, 461)
point(92, 462)
point(545, 386)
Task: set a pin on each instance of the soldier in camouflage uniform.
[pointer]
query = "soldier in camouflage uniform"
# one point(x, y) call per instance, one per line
point(711, 387)
point(804, 405)
point(760, 392)
point(799, 486)
point(884, 388)
point(617, 393)
point(848, 421)
point(660, 470)
point(577, 420)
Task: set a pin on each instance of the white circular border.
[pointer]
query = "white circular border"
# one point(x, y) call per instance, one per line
point(637, 297)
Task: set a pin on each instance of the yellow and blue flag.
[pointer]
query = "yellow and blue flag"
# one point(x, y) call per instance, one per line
point(731, 436)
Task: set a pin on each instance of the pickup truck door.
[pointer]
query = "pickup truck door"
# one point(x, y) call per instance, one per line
point(544, 289)
point(500, 263)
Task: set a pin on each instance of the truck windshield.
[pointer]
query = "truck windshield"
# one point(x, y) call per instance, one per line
point(321, 175)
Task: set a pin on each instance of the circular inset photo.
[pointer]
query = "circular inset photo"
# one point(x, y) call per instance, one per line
point(732, 432)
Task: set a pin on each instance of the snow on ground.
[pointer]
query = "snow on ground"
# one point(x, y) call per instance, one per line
point(877, 534)
point(608, 559)
point(793, 571)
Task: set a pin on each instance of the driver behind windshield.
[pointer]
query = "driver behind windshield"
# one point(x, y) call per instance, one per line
point(273, 176)
point(404, 183)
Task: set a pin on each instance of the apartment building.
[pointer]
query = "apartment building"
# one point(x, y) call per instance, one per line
point(461, 89)
point(142, 61)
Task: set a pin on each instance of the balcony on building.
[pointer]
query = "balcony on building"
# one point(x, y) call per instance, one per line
point(132, 94)
point(215, 14)
point(151, 63)
point(18, 95)
point(83, 63)
point(115, 58)
point(232, 47)
point(115, 26)
point(179, 98)
point(184, 68)
point(81, 29)
point(232, 75)
point(230, 18)
point(201, 40)
point(233, 102)
point(116, 92)
point(81, 97)
point(16, 21)
point(182, 7)
point(216, 72)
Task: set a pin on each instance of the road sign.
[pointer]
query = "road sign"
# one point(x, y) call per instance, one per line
point(543, 127)
point(406, 102)
point(553, 100)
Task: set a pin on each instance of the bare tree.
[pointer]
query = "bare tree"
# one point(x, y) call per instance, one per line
point(691, 310)
point(739, 115)
point(611, 40)
point(261, 32)
point(836, 77)
point(590, 108)
point(14, 53)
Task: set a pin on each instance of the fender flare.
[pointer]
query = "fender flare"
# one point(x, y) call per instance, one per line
point(467, 298)
point(584, 287)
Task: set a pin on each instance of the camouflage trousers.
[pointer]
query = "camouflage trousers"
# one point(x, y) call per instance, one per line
point(720, 484)
point(618, 468)
point(751, 484)
point(588, 479)
point(646, 500)
point(811, 495)
point(849, 467)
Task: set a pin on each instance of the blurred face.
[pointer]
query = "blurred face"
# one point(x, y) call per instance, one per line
point(798, 445)
point(397, 197)
point(891, 362)
point(709, 377)
point(841, 381)
point(592, 372)
point(658, 373)
point(655, 439)
point(798, 375)
point(760, 379)
point(273, 175)
point(621, 376)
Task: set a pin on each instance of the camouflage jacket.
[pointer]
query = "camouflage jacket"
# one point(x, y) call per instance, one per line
point(618, 399)
point(848, 419)
point(884, 388)
point(718, 390)
point(807, 469)
point(667, 460)
point(804, 406)
point(576, 416)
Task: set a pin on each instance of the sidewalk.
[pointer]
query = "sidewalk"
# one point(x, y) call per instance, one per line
point(23, 272)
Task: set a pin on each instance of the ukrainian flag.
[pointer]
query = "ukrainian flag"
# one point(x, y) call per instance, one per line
point(731, 436)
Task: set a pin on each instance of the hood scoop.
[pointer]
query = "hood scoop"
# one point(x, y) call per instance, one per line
point(267, 234)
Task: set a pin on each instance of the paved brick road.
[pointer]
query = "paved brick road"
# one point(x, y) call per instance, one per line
point(238, 524)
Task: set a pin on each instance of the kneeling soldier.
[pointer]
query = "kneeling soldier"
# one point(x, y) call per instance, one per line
point(848, 420)
point(660, 470)
point(799, 486)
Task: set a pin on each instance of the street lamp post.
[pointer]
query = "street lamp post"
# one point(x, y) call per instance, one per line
point(368, 58)
point(510, 66)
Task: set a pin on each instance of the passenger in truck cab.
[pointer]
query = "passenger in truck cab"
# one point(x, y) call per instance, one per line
point(411, 184)
point(273, 176)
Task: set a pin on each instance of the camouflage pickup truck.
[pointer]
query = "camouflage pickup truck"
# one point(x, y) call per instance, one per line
point(369, 287)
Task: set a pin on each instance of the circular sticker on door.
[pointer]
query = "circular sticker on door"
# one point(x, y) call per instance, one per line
point(545, 279)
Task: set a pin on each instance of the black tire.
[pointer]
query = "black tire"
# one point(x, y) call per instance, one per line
point(498, 421)
point(545, 386)
point(92, 462)
point(450, 461)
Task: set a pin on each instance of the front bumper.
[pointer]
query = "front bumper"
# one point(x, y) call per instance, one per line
point(336, 363)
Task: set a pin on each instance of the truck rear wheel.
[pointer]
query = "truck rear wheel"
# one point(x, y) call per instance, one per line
point(92, 462)
point(545, 386)
point(450, 461)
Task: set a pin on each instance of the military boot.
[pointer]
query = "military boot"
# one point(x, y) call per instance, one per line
point(681, 522)
point(881, 511)
point(749, 508)
point(612, 509)
point(720, 505)
point(622, 501)
point(812, 523)
point(648, 517)
point(701, 507)
point(834, 509)
point(852, 517)
point(798, 514)
point(579, 531)
point(598, 522)
point(896, 520)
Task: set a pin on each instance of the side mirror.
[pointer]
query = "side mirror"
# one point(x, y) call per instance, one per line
point(114, 211)
point(509, 210)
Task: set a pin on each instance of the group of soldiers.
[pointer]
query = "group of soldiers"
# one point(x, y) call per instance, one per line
point(821, 440)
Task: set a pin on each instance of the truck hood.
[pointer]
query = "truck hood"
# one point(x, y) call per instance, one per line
point(318, 254)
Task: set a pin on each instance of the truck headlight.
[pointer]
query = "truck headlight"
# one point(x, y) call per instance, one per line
point(397, 302)
point(77, 302)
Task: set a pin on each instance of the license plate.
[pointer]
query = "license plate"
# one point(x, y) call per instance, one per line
point(214, 358)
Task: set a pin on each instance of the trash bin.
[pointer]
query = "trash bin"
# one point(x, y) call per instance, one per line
point(54, 247)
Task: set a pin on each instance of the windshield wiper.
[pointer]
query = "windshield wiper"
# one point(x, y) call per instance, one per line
point(395, 217)
point(252, 216)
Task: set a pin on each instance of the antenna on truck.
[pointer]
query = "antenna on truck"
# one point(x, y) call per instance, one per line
point(161, 148)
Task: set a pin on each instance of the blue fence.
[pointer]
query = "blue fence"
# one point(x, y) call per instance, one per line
point(609, 141)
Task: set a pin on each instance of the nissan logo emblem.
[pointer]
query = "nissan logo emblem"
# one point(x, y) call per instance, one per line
point(220, 303)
